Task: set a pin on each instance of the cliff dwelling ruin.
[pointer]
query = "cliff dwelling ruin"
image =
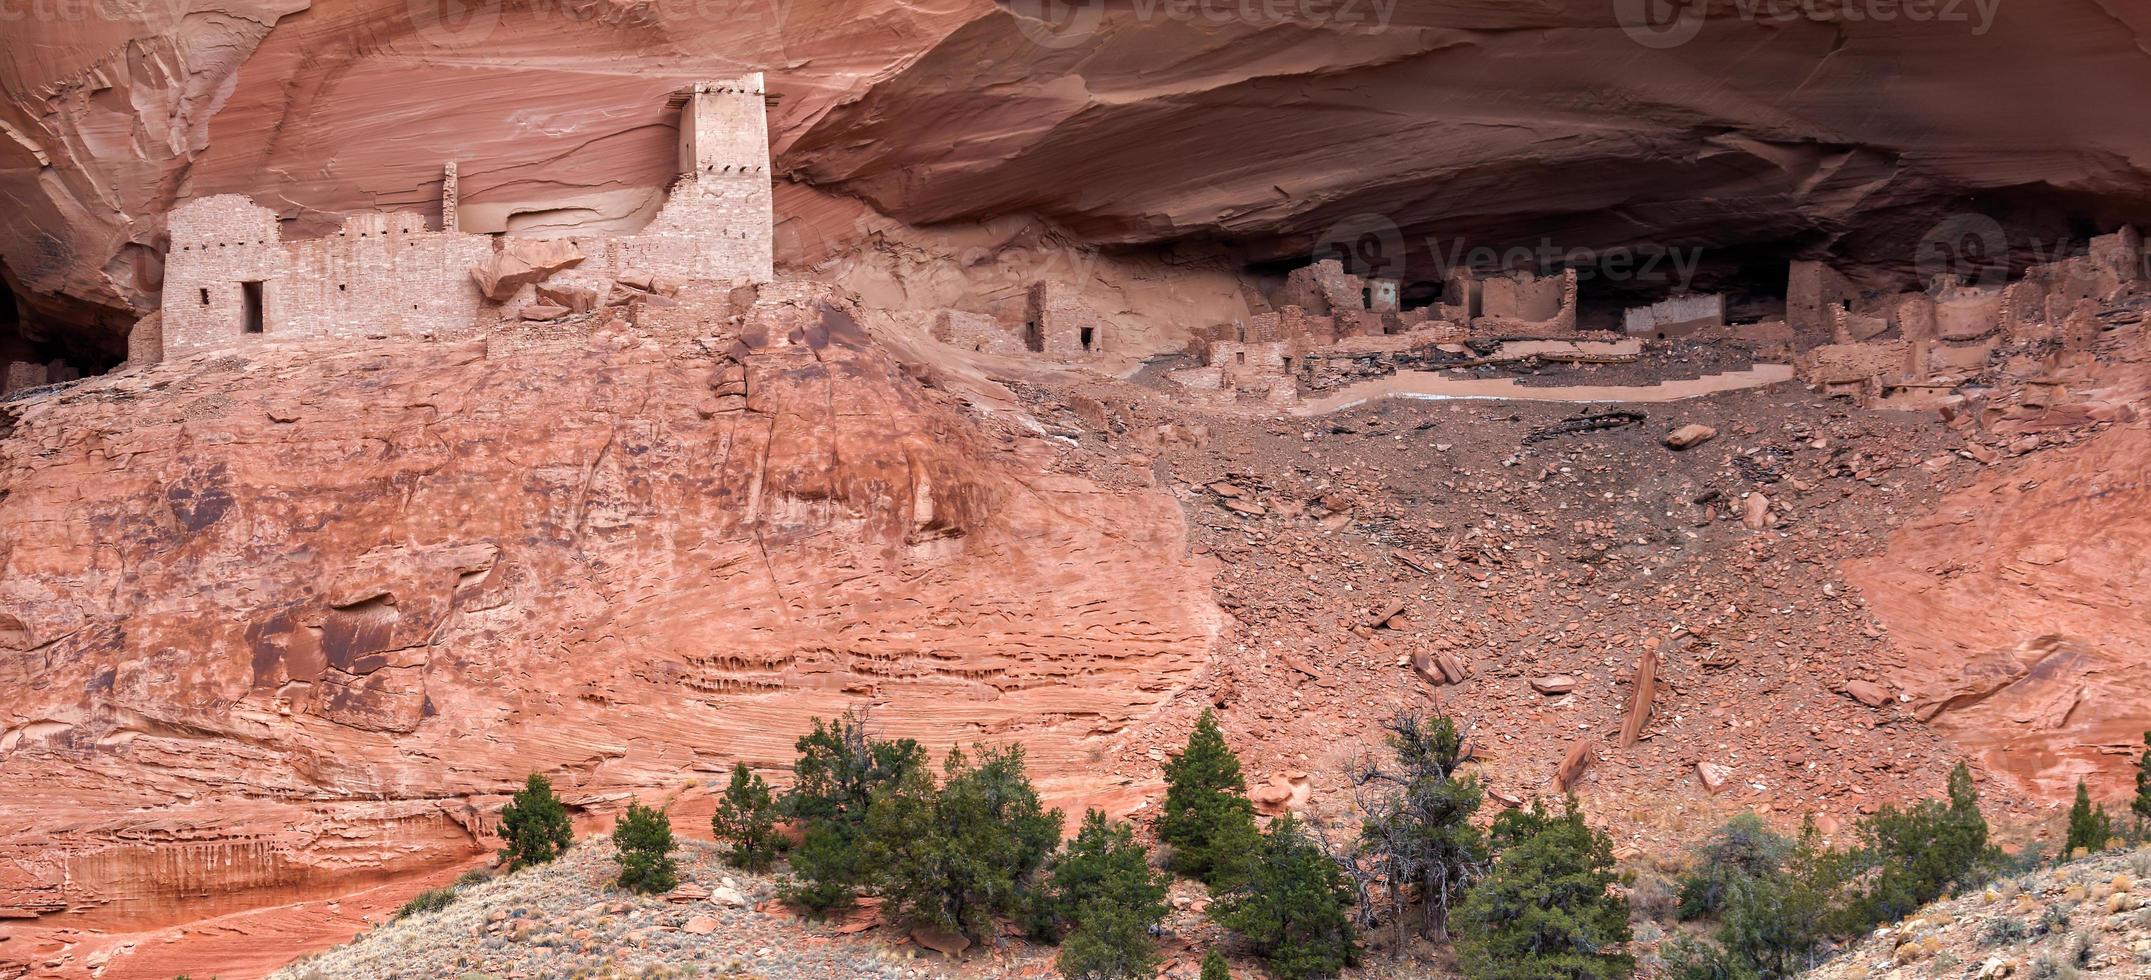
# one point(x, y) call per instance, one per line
point(1728, 437)
point(231, 277)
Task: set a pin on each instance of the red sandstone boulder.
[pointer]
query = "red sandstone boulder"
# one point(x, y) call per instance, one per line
point(1553, 684)
point(1868, 693)
point(521, 262)
point(1689, 435)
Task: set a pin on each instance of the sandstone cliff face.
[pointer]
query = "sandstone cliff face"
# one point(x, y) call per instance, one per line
point(1265, 128)
point(2018, 602)
point(278, 620)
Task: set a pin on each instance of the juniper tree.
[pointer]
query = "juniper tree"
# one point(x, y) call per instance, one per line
point(957, 857)
point(1103, 863)
point(746, 821)
point(2089, 827)
point(1110, 942)
point(840, 768)
point(1101, 882)
point(1772, 898)
point(534, 825)
point(1213, 966)
point(2141, 805)
point(1290, 902)
point(643, 844)
point(1916, 855)
point(1545, 910)
point(1742, 851)
point(1418, 827)
point(1207, 817)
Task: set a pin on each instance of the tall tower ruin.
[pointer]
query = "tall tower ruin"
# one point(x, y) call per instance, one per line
point(724, 164)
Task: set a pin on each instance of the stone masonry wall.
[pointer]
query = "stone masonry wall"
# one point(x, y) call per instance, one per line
point(390, 275)
point(1323, 288)
point(975, 331)
point(1058, 323)
point(1676, 315)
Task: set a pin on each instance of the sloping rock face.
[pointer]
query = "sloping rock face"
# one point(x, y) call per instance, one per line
point(1760, 129)
point(278, 620)
point(2018, 604)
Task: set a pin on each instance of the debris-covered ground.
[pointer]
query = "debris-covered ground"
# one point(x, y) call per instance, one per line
point(1540, 550)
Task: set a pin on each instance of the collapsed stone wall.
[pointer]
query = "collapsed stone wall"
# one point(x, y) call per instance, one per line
point(1520, 304)
point(1676, 316)
point(1324, 287)
point(1919, 341)
point(1812, 291)
point(976, 332)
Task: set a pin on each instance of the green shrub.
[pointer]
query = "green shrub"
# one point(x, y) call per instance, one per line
point(839, 770)
point(2089, 828)
point(1290, 902)
point(1110, 942)
point(1418, 827)
point(956, 857)
point(534, 826)
point(746, 821)
point(1772, 898)
point(1207, 818)
point(2141, 805)
point(1908, 858)
point(643, 842)
point(1545, 910)
point(1104, 863)
point(1213, 966)
point(475, 876)
point(1741, 851)
point(1688, 958)
point(430, 900)
point(2007, 930)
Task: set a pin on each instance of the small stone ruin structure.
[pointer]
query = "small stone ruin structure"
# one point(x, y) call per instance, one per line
point(1322, 306)
point(1675, 316)
point(1057, 322)
point(1909, 350)
point(230, 276)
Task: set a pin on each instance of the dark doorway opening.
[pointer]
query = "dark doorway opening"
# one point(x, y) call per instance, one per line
point(250, 299)
point(1088, 338)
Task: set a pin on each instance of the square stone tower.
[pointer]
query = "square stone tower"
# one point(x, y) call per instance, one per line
point(724, 157)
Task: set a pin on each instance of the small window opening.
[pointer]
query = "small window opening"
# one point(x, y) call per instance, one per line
point(205, 296)
point(1087, 338)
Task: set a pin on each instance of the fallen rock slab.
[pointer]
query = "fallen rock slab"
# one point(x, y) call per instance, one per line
point(1553, 684)
point(521, 262)
point(1868, 693)
point(1692, 434)
point(941, 941)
